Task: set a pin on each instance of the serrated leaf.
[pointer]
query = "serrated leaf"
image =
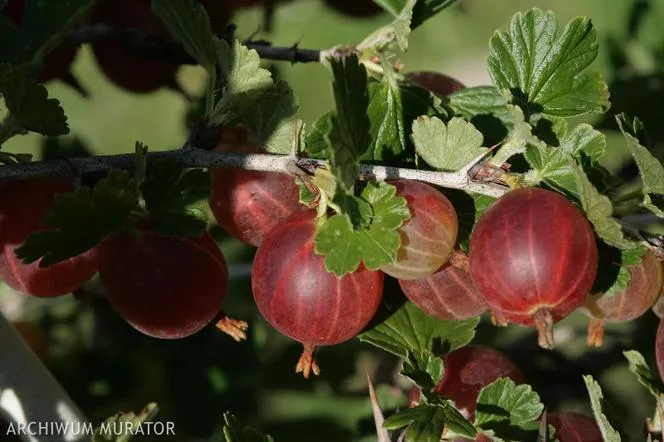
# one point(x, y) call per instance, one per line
point(349, 136)
point(408, 329)
point(176, 199)
point(647, 377)
point(584, 138)
point(31, 109)
point(424, 368)
point(546, 69)
point(651, 169)
point(553, 166)
point(386, 115)
point(268, 112)
point(423, 10)
point(609, 434)
point(511, 411)
point(629, 257)
point(316, 140)
point(242, 82)
point(234, 431)
point(80, 220)
point(43, 26)
point(448, 146)
point(599, 211)
point(481, 100)
point(391, 39)
point(368, 235)
point(189, 23)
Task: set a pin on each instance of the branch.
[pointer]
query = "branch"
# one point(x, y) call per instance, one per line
point(158, 48)
point(194, 157)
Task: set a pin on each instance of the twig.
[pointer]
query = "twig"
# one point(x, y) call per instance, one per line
point(158, 48)
point(256, 162)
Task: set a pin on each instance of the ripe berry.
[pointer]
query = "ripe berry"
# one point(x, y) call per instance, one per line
point(574, 427)
point(533, 258)
point(640, 294)
point(428, 237)
point(449, 294)
point(249, 204)
point(163, 287)
point(298, 297)
point(23, 206)
point(659, 348)
point(471, 368)
point(355, 8)
point(439, 84)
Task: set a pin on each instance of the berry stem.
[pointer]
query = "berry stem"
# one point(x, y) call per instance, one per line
point(544, 325)
point(595, 333)
point(498, 321)
point(232, 327)
point(307, 363)
point(460, 260)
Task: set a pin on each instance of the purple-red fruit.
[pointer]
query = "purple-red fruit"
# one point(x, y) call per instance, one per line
point(162, 286)
point(301, 299)
point(659, 349)
point(439, 84)
point(449, 294)
point(643, 289)
point(249, 204)
point(574, 427)
point(428, 237)
point(23, 207)
point(533, 257)
point(471, 368)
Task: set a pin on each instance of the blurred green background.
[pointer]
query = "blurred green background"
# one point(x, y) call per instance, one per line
point(107, 366)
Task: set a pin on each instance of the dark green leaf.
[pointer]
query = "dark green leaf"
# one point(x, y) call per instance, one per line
point(176, 199)
point(609, 434)
point(81, 219)
point(647, 377)
point(546, 69)
point(424, 9)
point(31, 109)
point(629, 257)
point(234, 431)
point(511, 411)
point(424, 368)
point(349, 137)
point(386, 115)
point(316, 140)
point(190, 25)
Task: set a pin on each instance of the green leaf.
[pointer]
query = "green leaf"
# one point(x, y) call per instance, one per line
point(629, 257)
point(176, 199)
point(242, 82)
point(43, 26)
point(510, 410)
point(427, 421)
point(423, 10)
point(448, 146)
point(546, 69)
point(234, 431)
point(391, 39)
point(349, 136)
point(609, 434)
point(31, 109)
point(599, 211)
point(108, 431)
point(408, 329)
point(190, 25)
point(316, 141)
point(650, 169)
point(584, 138)
point(647, 377)
point(271, 108)
point(386, 115)
point(367, 235)
point(481, 100)
point(81, 219)
point(424, 368)
point(282, 139)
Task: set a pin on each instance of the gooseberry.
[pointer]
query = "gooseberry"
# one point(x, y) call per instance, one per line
point(301, 299)
point(533, 257)
point(428, 237)
point(574, 427)
point(23, 206)
point(249, 204)
point(439, 84)
point(628, 304)
point(659, 349)
point(164, 287)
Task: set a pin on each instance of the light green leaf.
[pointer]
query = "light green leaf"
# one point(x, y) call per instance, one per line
point(386, 116)
point(448, 146)
point(124, 421)
point(481, 100)
point(282, 139)
point(349, 136)
point(424, 9)
point(190, 25)
point(647, 377)
point(274, 105)
point(367, 234)
point(650, 169)
point(546, 69)
point(609, 434)
point(408, 329)
point(584, 138)
point(391, 39)
point(31, 109)
point(511, 411)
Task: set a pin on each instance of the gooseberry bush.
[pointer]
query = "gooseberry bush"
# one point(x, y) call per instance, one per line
point(401, 217)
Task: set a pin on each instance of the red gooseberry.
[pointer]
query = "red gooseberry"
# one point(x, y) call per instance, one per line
point(355, 8)
point(428, 237)
point(23, 206)
point(659, 348)
point(439, 84)
point(164, 287)
point(574, 427)
point(628, 304)
point(301, 299)
point(533, 258)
